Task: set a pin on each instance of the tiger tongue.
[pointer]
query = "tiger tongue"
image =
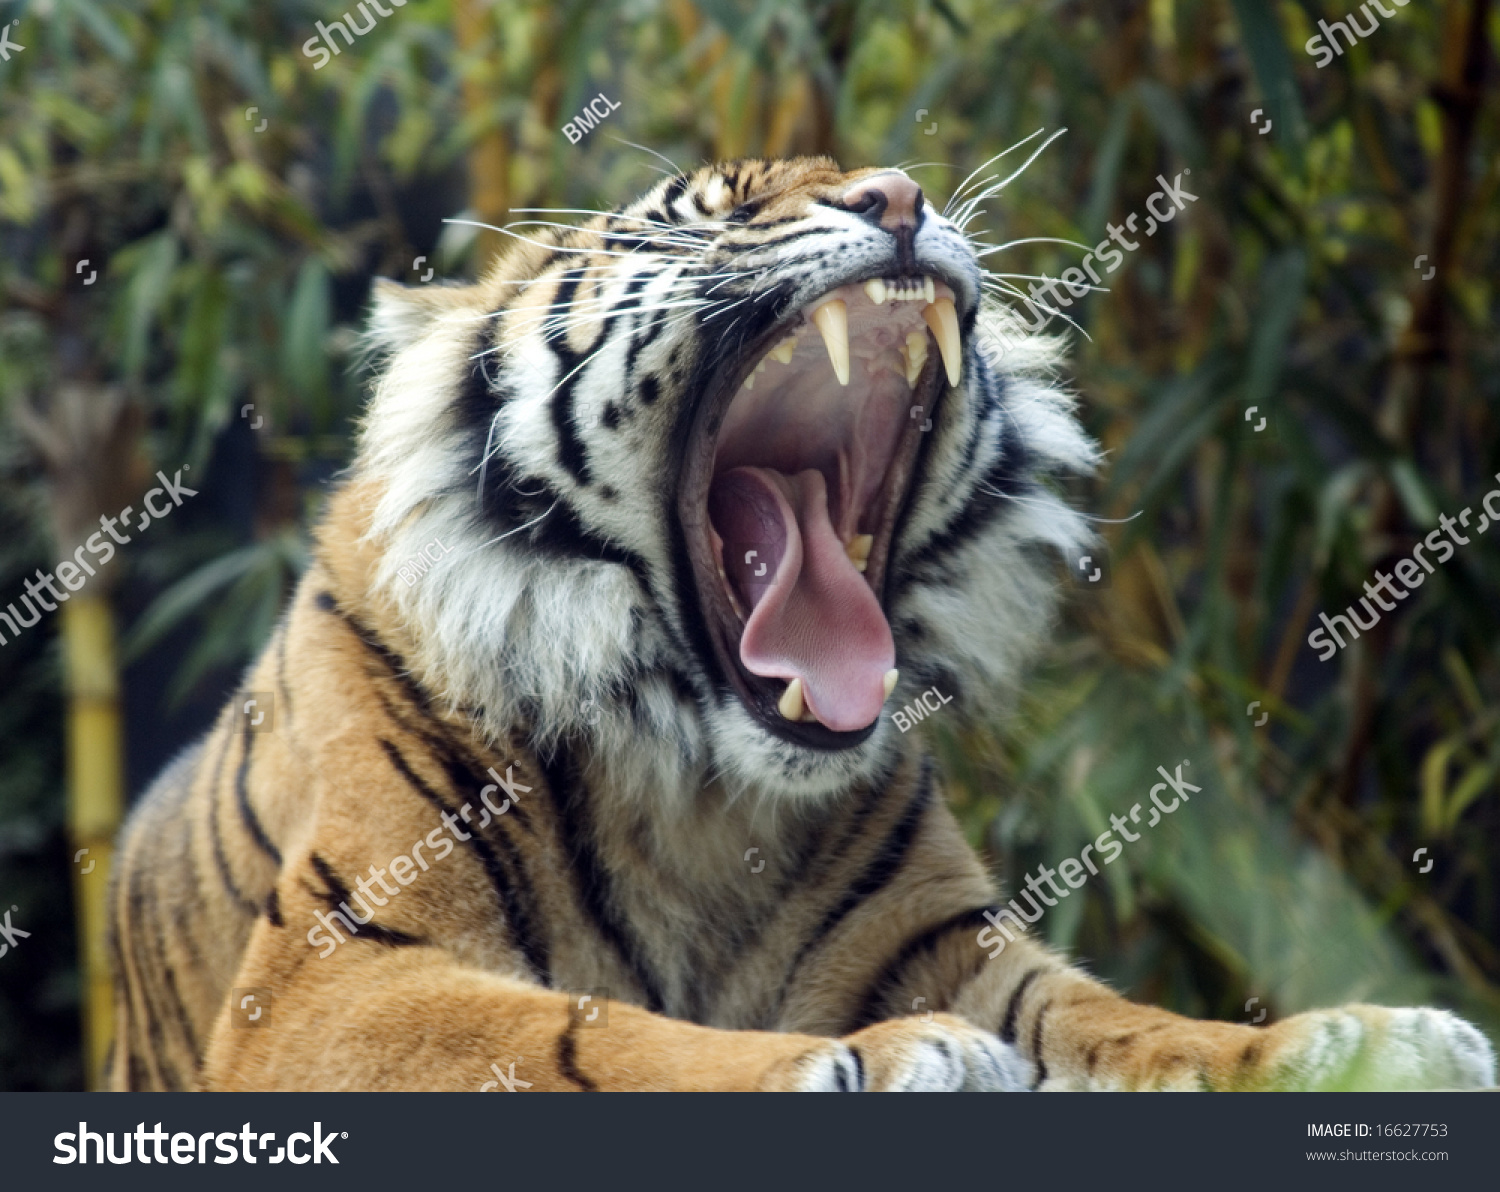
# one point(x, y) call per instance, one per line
point(813, 615)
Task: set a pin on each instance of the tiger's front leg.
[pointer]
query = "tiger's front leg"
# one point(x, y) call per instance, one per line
point(1080, 1035)
point(405, 1015)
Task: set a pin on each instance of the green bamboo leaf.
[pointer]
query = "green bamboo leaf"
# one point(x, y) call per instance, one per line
point(102, 27)
point(1469, 788)
point(1282, 283)
point(1107, 162)
point(1272, 64)
point(304, 339)
point(1166, 112)
point(149, 264)
point(1434, 782)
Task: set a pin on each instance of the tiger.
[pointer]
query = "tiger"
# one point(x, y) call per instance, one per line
point(644, 532)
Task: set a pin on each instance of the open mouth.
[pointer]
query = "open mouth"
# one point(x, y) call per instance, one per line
point(802, 458)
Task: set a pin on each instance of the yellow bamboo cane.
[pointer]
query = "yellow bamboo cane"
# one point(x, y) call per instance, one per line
point(95, 802)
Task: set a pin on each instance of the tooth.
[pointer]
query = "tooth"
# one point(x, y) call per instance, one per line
point(750, 381)
point(929, 289)
point(875, 289)
point(790, 704)
point(761, 367)
point(890, 681)
point(915, 355)
point(832, 319)
point(858, 550)
point(943, 320)
point(783, 351)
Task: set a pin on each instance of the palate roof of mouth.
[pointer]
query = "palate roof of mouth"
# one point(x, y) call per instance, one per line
point(800, 461)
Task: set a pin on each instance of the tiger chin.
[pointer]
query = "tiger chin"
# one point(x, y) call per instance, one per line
point(569, 758)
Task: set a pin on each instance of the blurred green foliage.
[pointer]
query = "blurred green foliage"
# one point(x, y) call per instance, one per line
point(233, 263)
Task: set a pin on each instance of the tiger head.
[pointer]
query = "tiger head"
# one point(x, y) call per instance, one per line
point(720, 479)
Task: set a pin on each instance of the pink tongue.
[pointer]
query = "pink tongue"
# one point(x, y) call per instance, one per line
point(813, 617)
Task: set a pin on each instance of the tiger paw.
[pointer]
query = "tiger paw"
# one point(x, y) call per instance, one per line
point(909, 1055)
point(1376, 1048)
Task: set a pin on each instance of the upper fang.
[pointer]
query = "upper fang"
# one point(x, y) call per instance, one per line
point(943, 320)
point(832, 319)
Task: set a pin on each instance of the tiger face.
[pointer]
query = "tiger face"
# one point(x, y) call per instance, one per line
point(720, 478)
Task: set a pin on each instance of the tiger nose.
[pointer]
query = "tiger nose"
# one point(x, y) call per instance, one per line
point(889, 200)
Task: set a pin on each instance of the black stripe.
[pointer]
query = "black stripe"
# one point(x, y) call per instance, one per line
point(1004, 478)
point(1013, 1006)
point(462, 768)
point(641, 337)
point(392, 664)
point(923, 945)
point(814, 860)
point(137, 1078)
point(168, 1002)
point(179, 1007)
point(520, 914)
point(570, 449)
point(859, 1068)
point(338, 892)
point(273, 909)
point(242, 800)
point(478, 399)
point(1036, 1045)
point(567, 1062)
point(672, 194)
point(781, 222)
point(773, 242)
point(221, 859)
point(575, 827)
point(143, 969)
point(877, 874)
point(563, 535)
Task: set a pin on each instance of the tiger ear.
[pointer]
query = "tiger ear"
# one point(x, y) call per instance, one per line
point(401, 315)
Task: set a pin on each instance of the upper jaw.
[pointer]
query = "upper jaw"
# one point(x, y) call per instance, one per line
point(882, 385)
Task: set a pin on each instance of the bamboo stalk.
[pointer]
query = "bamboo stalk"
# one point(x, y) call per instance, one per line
point(95, 769)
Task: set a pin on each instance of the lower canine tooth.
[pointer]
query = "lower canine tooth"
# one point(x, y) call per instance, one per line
point(943, 320)
point(875, 289)
point(783, 351)
point(832, 320)
point(915, 355)
point(790, 704)
point(890, 681)
point(858, 550)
